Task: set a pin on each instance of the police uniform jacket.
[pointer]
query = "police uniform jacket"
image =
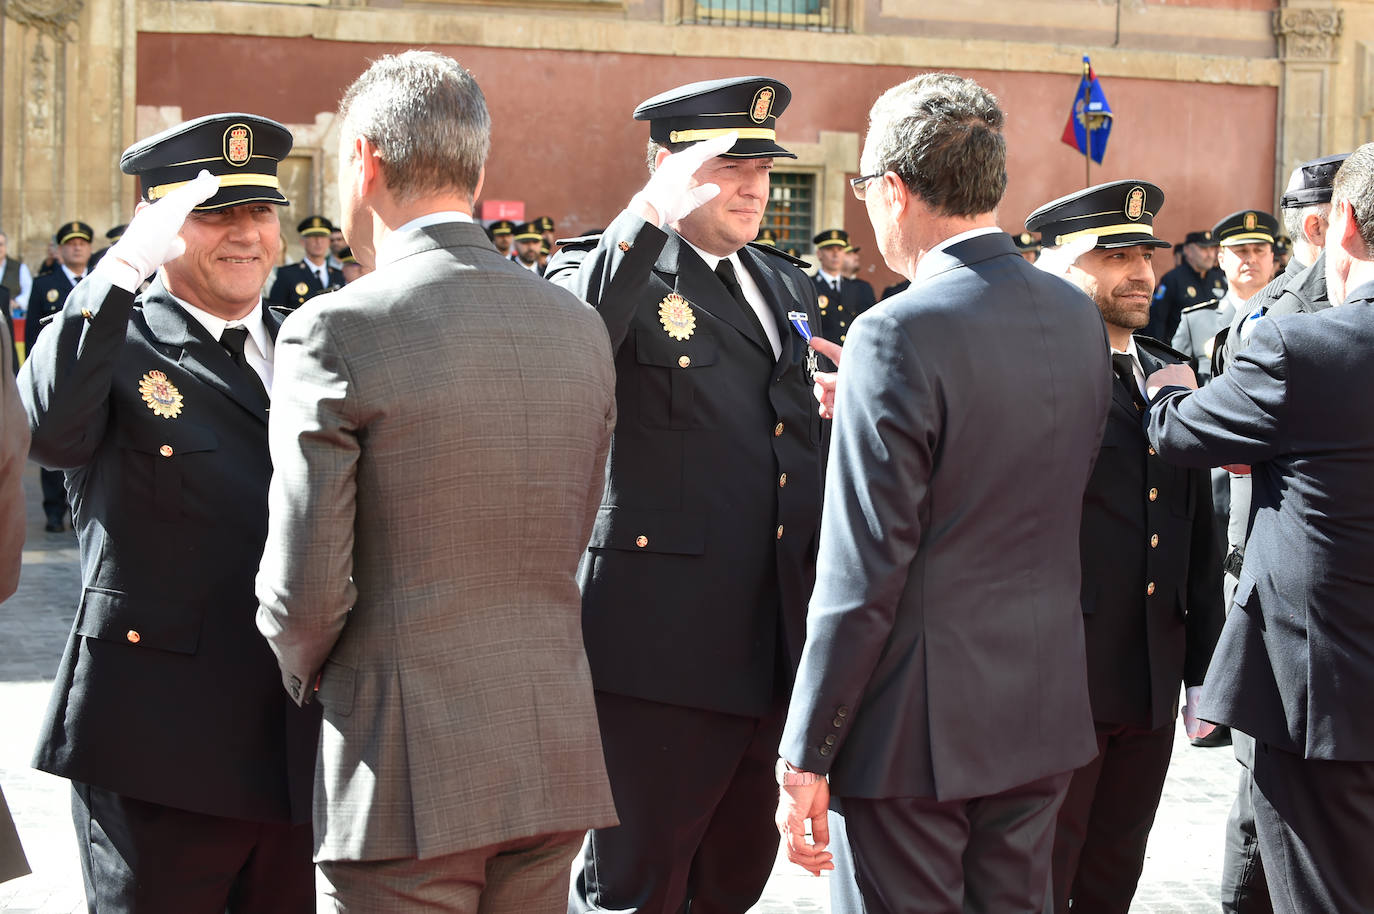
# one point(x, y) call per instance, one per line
point(296, 284)
point(1181, 288)
point(702, 556)
point(839, 310)
point(165, 692)
point(1151, 592)
point(47, 295)
point(1291, 667)
point(1197, 330)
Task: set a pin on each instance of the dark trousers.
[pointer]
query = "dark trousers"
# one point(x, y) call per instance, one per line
point(844, 882)
point(989, 854)
point(1315, 820)
point(145, 858)
point(1243, 888)
point(54, 495)
point(696, 793)
point(1104, 823)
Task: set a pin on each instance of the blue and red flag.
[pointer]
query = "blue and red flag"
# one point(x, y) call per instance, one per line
point(1090, 118)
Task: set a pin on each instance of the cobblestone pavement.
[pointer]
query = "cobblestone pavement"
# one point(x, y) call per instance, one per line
point(1181, 868)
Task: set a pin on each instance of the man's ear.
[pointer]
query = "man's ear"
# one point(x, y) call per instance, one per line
point(896, 194)
point(477, 191)
point(1343, 213)
point(659, 156)
point(368, 162)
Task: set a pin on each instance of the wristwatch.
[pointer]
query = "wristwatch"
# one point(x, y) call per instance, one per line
point(791, 777)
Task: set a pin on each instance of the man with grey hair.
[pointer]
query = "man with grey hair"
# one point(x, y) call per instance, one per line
point(924, 661)
point(1291, 668)
point(438, 441)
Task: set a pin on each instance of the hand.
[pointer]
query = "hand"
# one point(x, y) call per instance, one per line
point(1196, 729)
point(797, 806)
point(672, 191)
point(1056, 261)
point(1178, 375)
point(152, 237)
point(826, 380)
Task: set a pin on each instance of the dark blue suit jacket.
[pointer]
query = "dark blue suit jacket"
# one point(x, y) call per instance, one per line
point(1295, 664)
point(944, 654)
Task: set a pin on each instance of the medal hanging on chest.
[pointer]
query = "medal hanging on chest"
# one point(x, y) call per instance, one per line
point(800, 323)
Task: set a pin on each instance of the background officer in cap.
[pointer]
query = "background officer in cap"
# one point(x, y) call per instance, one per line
point(528, 240)
point(191, 769)
point(545, 226)
point(1028, 244)
point(1151, 591)
point(1300, 288)
point(47, 296)
point(703, 553)
point(299, 282)
point(1197, 279)
point(841, 300)
point(500, 233)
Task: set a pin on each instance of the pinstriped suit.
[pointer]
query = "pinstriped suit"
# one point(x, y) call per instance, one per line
point(439, 433)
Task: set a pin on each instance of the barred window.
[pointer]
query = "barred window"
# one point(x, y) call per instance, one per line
point(791, 211)
point(813, 15)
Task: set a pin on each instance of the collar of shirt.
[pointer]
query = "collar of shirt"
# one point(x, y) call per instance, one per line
point(1137, 370)
point(261, 359)
point(321, 271)
point(924, 267)
point(72, 277)
point(830, 280)
point(384, 252)
point(752, 294)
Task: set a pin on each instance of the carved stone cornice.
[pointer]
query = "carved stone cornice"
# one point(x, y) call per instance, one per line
point(51, 17)
point(1304, 33)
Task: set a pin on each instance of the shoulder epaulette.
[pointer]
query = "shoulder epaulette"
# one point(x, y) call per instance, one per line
point(1210, 303)
point(769, 249)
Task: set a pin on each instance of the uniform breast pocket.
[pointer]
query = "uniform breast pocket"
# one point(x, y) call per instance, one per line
point(671, 377)
point(155, 462)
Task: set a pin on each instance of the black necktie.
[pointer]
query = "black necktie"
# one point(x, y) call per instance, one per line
point(726, 271)
point(1124, 369)
point(233, 340)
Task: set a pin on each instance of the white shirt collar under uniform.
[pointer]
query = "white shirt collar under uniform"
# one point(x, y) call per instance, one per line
point(752, 294)
point(259, 349)
point(1137, 370)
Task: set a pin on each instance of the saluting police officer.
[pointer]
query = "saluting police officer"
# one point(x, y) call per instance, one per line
point(297, 283)
point(191, 768)
point(703, 554)
point(1151, 592)
point(47, 296)
point(1196, 280)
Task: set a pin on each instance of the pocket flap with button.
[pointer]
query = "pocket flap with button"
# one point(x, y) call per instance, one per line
point(181, 437)
point(110, 615)
point(660, 349)
point(648, 530)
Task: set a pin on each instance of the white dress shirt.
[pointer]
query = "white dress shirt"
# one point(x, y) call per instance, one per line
point(258, 350)
point(752, 294)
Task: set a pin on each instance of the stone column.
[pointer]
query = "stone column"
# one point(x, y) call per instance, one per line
point(66, 114)
point(1308, 51)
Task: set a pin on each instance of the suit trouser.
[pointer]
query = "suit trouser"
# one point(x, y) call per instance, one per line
point(146, 858)
point(524, 876)
point(1243, 887)
point(1315, 820)
point(1104, 824)
point(54, 495)
point(696, 794)
point(988, 854)
point(845, 897)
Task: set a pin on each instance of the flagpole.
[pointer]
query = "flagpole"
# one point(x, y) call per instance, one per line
point(1087, 125)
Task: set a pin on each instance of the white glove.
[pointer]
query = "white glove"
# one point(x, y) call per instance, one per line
point(1056, 261)
point(1196, 729)
point(152, 237)
point(672, 191)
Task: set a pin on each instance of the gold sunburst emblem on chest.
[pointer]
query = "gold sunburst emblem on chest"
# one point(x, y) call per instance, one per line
point(160, 394)
point(675, 313)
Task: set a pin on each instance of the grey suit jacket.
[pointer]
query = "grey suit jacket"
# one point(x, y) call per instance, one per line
point(439, 434)
point(944, 654)
point(14, 451)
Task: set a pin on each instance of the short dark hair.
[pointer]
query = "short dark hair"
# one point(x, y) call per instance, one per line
point(651, 156)
point(942, 135)
point(1354, 184)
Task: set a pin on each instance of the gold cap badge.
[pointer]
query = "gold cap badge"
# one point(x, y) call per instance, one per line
point(1135, 203)
point(161, 396)
point(675, 313)
point(238, 144)
point(762, 106)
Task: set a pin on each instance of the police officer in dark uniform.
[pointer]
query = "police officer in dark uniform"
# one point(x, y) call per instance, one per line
point(500, 233)
point(1028, 243)
point(47, 296)
point(1151, 591)
point(545, 225)
point(1196, 280)
point(297, 283)
point(840, 299)
point(528, 241)
point(702, 558)
point(191, 768)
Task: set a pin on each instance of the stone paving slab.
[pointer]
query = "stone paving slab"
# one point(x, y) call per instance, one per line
point(1182, 865)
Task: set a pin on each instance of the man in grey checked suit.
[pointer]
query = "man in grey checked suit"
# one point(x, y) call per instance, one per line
point(439, 440)
point(943, 686)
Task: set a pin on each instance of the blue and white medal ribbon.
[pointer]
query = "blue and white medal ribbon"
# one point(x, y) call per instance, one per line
point(799, 320)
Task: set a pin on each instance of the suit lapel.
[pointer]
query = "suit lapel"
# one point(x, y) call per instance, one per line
point(699, 285)
point(200, 356)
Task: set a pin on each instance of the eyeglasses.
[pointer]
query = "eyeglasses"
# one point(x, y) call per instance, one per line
point(860, 184)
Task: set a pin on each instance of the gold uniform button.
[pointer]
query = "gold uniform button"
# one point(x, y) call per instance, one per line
point(165, 450)
point(683, 361)
point(1151, 451)
point(841, 337)
point(641, 541)
point(624, 245)
point(1150, 589)
point(777, 430)
point(782, 480)
point(840, 308)
point(133, 636)
point(1154, 494)
point(779, 531)
point(1154, 541)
